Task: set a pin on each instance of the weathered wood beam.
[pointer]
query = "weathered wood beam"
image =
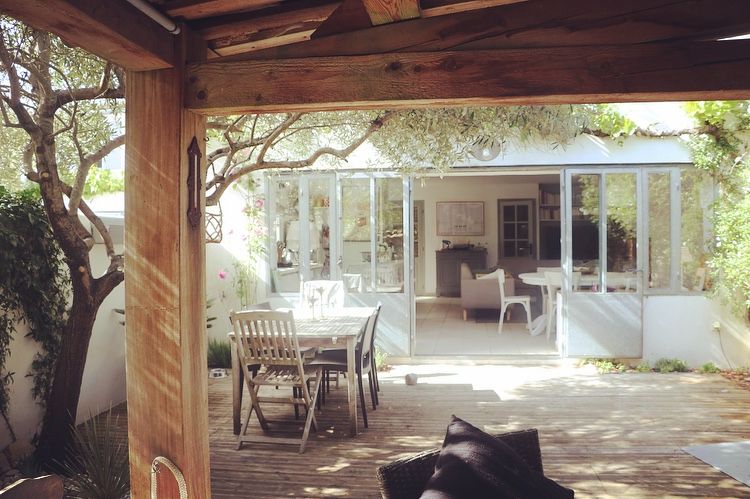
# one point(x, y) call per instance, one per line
point(434, 8)
point(391, 11)
point(539, 23)
point(199, 9)
point(277, 17)
point(349, 16)
point(646, 72)
point(113, 30)
point(165, 298)
point(265, 39)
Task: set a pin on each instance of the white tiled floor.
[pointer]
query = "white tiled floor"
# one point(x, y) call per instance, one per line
point(441, 330)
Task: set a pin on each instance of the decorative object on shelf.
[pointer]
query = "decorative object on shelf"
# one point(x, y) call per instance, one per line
point(194, 183)
point(460, 218)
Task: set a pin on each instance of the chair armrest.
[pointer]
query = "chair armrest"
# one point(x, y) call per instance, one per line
point(406, 478)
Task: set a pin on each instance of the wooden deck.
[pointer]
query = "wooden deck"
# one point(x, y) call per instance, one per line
point(602, 435)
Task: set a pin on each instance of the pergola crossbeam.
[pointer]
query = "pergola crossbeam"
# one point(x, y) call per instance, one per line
point(647, 72)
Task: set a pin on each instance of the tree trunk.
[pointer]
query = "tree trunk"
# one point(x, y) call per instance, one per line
point(62, 401)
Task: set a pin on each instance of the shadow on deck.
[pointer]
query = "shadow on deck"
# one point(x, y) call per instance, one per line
point(602, 435)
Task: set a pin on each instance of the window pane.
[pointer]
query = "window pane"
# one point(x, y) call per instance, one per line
point(285, 234)
point(585, 231)
point(523, 231)
point(389, 195)
point(509, 248)
point(320, 223)
point(509, 230)
point(355, 223)
point(509, 212)
point(659, 231)
point(522, 213)
point(696, 195)
point(621, 232)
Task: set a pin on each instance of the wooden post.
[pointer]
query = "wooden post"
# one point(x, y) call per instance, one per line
point(164, 288)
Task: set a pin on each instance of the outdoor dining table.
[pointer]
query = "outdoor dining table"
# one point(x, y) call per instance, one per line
point(332, 328)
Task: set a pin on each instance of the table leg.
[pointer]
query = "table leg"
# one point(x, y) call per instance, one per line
point(237, 380)
point(351, 384)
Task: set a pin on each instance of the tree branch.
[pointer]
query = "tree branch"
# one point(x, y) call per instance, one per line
point(83, 171)
point(268, 142)
point(95, 221)
point(258, 164)
point(14, 101)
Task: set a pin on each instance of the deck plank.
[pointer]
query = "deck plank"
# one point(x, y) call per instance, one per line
point(602, 435)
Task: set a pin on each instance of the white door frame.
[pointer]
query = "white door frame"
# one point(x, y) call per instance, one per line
point(584, 313)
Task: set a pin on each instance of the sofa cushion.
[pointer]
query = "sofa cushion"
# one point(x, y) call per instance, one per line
point(474, 464)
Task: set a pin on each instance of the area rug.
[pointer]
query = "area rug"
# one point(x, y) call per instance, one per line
point(732, 458)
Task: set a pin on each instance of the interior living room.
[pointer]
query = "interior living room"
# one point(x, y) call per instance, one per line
point(515, 226)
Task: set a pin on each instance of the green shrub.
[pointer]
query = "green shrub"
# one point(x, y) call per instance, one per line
point(604, 366)
point(98, 462)
point(671, 365)
point(219, 354)
point(381, 359)
point(709, 367)
point(643, 367)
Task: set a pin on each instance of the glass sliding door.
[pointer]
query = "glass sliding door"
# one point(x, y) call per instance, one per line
point(374, 218)
point(301, 216)
point(602, 285)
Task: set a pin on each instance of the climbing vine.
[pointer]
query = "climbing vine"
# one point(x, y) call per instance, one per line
point(722, 150)
point(34, 288)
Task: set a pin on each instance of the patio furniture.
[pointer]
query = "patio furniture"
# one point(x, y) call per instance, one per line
point(340, 326)
point(336, 360)
point(545, 294)
point(508, 300)
point(407, 477)
point(481, 292)
point(269, 338)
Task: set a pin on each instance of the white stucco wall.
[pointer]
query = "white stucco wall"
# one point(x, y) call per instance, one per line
point(682, 327)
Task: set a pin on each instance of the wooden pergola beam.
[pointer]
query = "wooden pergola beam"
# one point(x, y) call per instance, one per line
point(113, 30)
point(647, 72)
point(542, 23)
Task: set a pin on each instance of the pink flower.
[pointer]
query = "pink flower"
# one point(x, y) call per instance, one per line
point(259, 203)
point(222, 274)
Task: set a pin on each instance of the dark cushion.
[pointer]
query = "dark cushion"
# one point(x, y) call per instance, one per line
point(474, 464)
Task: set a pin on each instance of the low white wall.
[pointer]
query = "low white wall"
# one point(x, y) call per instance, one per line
point(683, 327)
point(25, 415)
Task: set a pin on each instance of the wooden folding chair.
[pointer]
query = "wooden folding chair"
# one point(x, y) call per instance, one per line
point(269, 339)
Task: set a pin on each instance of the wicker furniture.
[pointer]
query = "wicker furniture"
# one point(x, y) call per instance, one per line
point(406, 478)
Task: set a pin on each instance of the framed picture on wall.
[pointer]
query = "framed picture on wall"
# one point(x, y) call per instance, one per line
point(460, 218)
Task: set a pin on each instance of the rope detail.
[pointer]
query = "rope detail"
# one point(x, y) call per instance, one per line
point(156, 469)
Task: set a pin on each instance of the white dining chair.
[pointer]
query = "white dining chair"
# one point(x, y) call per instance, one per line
point(506, 301)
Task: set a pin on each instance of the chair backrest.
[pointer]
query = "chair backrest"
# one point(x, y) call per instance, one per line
point(325, 293)
point(266, 337)
point(366, 341)
point(501, 282)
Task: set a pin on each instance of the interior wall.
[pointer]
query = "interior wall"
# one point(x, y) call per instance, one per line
point(480, 188)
